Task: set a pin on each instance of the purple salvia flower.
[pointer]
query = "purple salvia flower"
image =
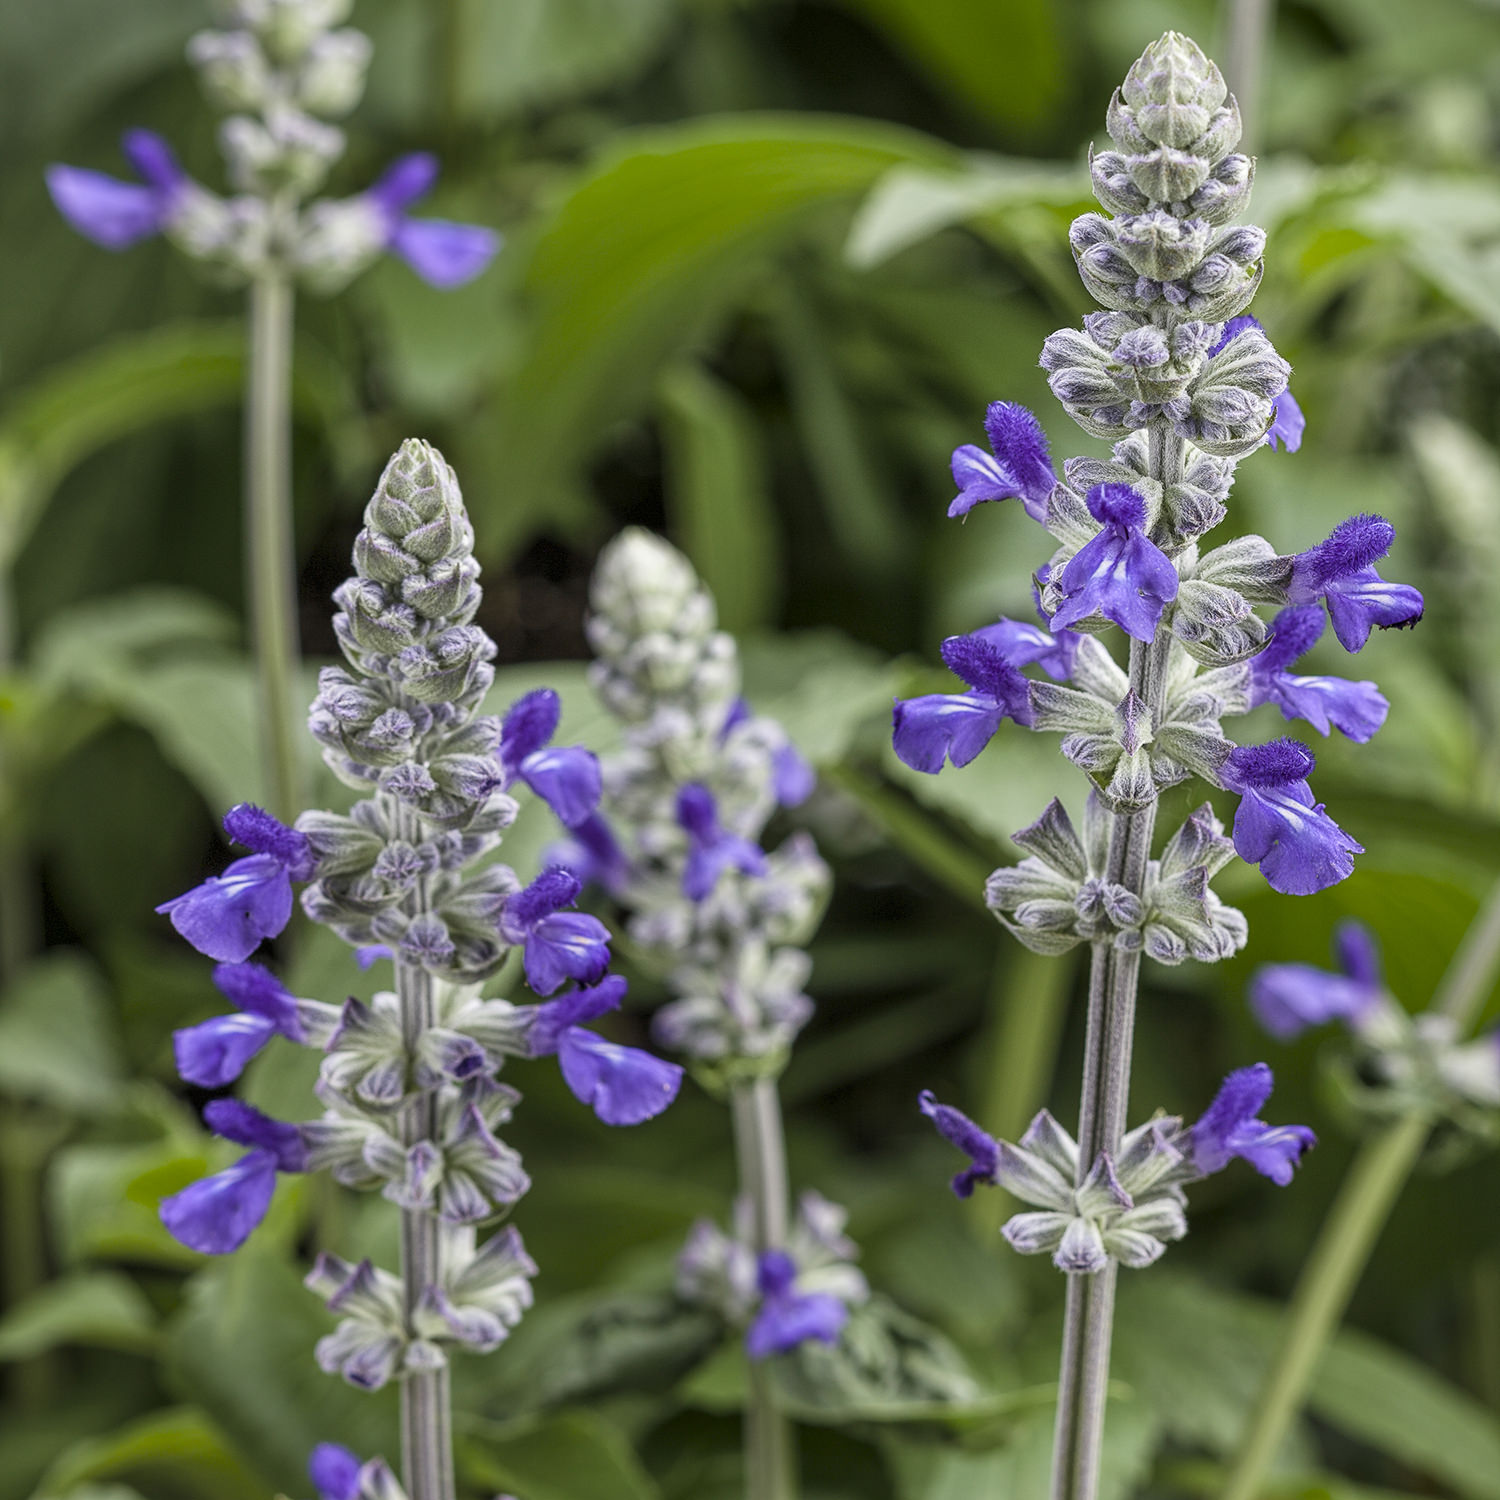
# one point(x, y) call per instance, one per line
point(334, 1472)
point(215, 1052)
point(1023, 644)
point(117, 214)
point(788, 1317)
point(1287, 421)
point(622, 1085)
point(959, 725)
point(1229, 1128)
point(982, 1149)
point(566, 779)
point(217, 1214)
point(1121, 573)
point(558, 944)
point(711, 848)
point(1356, 709)
point(1279, 826)
point(1288, 998)
point(367, 955)
point(593, 854)
point(230, 915)
point(442, 253)
point(1341, 572)
point(1018, 466)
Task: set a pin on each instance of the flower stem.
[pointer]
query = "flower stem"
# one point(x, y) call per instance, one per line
point(1113, 977)
point(1359, 1213)
point(426, 1417)
point(1247, 31)
point(270, 553)
point(760, 1147)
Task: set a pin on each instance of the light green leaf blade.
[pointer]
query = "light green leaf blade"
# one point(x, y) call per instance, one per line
point(58, 1041)
point(101, 1309)
point(573, 1456)
point(718, 493)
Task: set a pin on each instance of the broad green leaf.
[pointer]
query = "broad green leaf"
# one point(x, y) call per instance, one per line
point(718, 493)
point(173, 1454)
point(133, 382)
point(102, 1309)
point(572, 1456)
point(84, 644)
point(910, 204)
point(1005, 61)
point(242, 1349)
point(58, 1041)
point(662, 233)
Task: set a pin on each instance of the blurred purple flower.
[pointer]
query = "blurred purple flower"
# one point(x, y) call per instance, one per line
point(113, 213)
point(711, 848)
point(788, 1317)
point(1288, 998)
point(443, 253)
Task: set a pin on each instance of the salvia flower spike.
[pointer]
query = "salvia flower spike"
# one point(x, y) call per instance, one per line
point(1184, 383)
point(414, 1106)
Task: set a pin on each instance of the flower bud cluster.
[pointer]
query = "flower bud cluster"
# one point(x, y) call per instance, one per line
point(783, 1297)
point(686, 798)
point(402, 722)
point(284, 70)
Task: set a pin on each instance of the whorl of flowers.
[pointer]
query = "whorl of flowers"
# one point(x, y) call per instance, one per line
point(284, 69)
point(413, 1101)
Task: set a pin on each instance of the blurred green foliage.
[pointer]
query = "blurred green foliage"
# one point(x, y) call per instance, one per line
point(767, 261)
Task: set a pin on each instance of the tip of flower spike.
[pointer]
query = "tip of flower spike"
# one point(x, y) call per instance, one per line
point(1279, 763)
point(1116, 504)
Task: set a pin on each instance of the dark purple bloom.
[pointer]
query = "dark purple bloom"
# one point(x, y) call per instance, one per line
point(216, 1214)
point(442, 253)
point(1018, 466)
point(215, 1052)
point(559, 944)
point(1121, 573)
point(1341, 572)
point(593, 854)
point(711, 848)
point(1287, 421)
point(959, 725)
point(1288, 998)
point(370, 954)
point(566, 779)
point(788, 1317)
point(116, 214)
point(982, 1149)
point(1279, 826)
point(1229, 1129)
point(334, 1472)
point(1023, 645)
point(230, 915)
point(623, 1085)
point(574, 1008)
point(1357, 709)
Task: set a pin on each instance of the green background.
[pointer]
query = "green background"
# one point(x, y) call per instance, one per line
point(767, 261)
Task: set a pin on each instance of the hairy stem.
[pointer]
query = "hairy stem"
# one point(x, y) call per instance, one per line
point(760, 1148)
point(1113, 976)
point(426, 1418)
point(1247, 33)
point(1359, 1213)
point(270, 554)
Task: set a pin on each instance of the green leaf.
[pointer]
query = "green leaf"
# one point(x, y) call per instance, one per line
point(242, 1349)
point(664, 231)
point(572, 1456)
point(529, 52)
point(1005, 61)
point(910, 204)
point(175, 1454)
point(718, 493)
point(102, 1309)
point(58, 1041)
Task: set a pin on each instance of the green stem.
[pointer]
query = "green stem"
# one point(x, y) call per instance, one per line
point(270, 552)
point(760, 1148)
point(1359, 1214)
point(1247, 26)
point(1348, 1236)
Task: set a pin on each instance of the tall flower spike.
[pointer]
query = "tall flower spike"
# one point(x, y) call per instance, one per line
point(1174, 374)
